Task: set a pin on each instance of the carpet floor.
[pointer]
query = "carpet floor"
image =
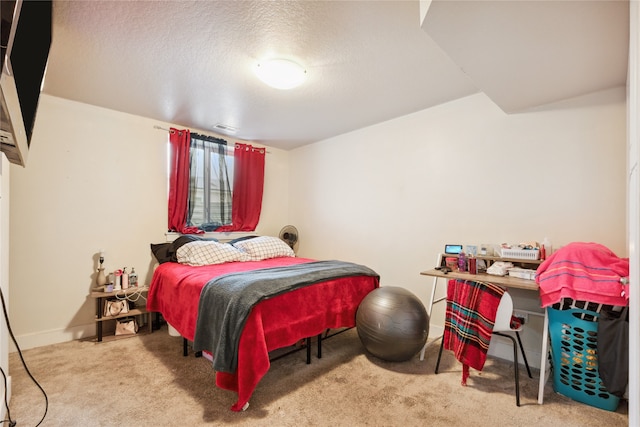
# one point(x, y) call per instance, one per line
point(145, 381)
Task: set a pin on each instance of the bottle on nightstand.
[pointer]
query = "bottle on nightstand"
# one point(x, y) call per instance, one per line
point(125, 278)
point(133, 278)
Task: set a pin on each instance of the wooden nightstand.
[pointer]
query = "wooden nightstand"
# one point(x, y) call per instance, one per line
point(134, 295)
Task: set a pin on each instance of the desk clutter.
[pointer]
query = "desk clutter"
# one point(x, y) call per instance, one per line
point(584, 291)
point(532, 250)
point(496, 259)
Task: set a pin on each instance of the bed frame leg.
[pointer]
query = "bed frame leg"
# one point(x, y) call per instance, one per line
point(319, 346)
point(308, 341)
point(185, 348)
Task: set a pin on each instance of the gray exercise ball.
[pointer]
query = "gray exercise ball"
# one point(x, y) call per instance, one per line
point(392, 323)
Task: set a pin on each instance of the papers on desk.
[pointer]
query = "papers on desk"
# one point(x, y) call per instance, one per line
point(504, 268)
point(500, 268)
point(522, 273)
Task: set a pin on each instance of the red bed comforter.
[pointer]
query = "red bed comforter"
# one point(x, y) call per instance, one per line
point(273, 323)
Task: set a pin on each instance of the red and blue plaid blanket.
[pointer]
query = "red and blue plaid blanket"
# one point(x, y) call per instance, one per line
point(470, 316)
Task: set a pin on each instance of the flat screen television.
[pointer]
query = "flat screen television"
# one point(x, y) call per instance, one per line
point(26, 30)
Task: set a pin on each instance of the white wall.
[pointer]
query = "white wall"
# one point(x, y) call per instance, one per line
point(95, 179)
point(392, 195)
point(4, 276)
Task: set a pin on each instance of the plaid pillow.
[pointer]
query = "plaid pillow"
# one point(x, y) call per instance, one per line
point(208, 252)
point(265, 247)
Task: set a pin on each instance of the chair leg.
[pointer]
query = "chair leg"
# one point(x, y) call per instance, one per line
point(515, 365)
point(440, 353)
point(524, 356)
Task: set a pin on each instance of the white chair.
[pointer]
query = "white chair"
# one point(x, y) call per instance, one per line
point(503, 324)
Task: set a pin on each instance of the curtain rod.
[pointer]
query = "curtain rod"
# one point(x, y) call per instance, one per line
point(168, 130)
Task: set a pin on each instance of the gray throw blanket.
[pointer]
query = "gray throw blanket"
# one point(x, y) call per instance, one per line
point(226, 301)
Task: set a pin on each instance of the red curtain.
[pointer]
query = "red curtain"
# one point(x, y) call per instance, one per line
point(248, 184)
point(179, 181)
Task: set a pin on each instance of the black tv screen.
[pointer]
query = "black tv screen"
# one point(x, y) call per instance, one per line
point(29, 54)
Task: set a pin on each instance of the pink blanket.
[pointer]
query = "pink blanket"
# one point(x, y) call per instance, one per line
point(583, 272)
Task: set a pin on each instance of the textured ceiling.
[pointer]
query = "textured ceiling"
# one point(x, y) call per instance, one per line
point(190, 63)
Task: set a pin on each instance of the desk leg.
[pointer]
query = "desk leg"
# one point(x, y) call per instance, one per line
point(543, 360)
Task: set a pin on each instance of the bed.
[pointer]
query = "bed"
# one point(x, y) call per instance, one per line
point(275, 320)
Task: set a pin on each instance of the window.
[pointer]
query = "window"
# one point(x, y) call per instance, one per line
point(246, 167)
point(210, 183)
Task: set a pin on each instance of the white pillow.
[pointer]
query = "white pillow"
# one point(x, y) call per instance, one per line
point(203, 252)
point(264, 247)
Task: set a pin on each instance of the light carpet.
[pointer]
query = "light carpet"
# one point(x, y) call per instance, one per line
point(145, 381)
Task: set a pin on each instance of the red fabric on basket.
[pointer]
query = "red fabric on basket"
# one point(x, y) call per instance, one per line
point(469, 319)
point(583, 272)
point(273, 323)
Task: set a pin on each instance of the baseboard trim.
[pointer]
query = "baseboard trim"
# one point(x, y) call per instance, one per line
point(56, 336)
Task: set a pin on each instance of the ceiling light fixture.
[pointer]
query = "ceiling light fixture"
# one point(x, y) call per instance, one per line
point(281, 73)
